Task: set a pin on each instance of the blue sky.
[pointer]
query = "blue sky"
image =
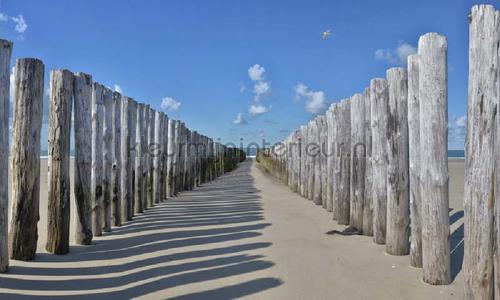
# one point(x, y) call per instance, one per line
point(262, 64)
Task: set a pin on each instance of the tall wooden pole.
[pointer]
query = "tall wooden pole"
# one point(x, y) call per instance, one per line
point(83, 157)
point(107, 158)
point(138, 183)
point(330, 147)
point(97, 156)
point(358, 160)
point(433, 93)
point(126, 170)
point(150, 156)
point(28, 110)
point(5, 54)
point(116, 197)
point(133, 156)
point(157, 153)
point(379, 98)
point(342, 172)
point(58, 213)
point(398, 198)
point(414, 155)
point(368, 196)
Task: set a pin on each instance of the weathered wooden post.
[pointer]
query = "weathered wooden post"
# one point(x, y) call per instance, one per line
point(116, 198)
point(150, 149)
point(368, 196)
point(433, 95)
point(126, 170)
point(5, 54)
point(97, 156)
point(164, 159)
point(107, 158)
point(157, 153)
point(330, 147)
point(133, 155)
point(414, 156)
point(83, 157)
point(379, 98)
point(323, 155)
point(316, 187)
point(145, 157)
point(482, 117)
point(138, 180)
point(398, 202)
point(58, 213)
point(341, 192)
point(358, 160)
point(28, 110)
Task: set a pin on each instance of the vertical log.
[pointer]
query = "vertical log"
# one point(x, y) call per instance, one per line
point(58, 213)
point(398, 198)
point(133, 149)
point(341, 192)
point(330, 146)
point(323, 155)
point(125, 173)
point(116, 198)
point(358, 160)
point(379, 106)
point(138, 183)
point(107, 158)
point(414, 156)
point(433, 93)
point(83, 157)
point(157, 153)
point(368, 196)
point(145, 157)
point(5, 54)
point(97, 156)
point(479, 189)
point(28, 110)
point(150, 156)
point(317, 161)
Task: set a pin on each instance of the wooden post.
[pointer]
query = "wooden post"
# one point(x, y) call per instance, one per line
point(5, 55)
point(379, 98)
point(28, 110)
point(398, 198)
point(358, 160)
point(323, 138)
point(145, 156)
point(150, 156)
point(126, 170)
point(97, 156)
point(341, 192)
point(164, 159)
point(116, 197)
point(138, 183)
point(83, 157)
point(58, 213)
point(316, 187)
point(479, 189)
point(433, 95)
point(133, 149)
point(368, 196)
point(330, 147)
point(157, 153)
point(107, 158)
point(414, 156)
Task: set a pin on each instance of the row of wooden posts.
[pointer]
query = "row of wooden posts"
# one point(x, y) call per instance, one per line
point(378, 160)
point(128, 157)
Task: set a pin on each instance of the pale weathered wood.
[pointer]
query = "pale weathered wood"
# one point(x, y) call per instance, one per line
point(398, 198)
point(368, 196)
point(58, 212)
point(341, 192)
point(126, 170)
point(150, 156)
point(479, 189)
point(139, 179)
point(107, 159)
point(5, 54)
point(145, 156)
point(316, 152)
point(133, 149)
point(97, 157)
point(157, 152)
point(379, 98)
point(28, 111)
point(83, 157)
point(433, 95)
point(330, 156)
point(358, 160)
point(116, 197)
point(323, 138)
point(414, 156)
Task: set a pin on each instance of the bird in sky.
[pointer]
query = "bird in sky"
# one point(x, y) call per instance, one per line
point(326, 34)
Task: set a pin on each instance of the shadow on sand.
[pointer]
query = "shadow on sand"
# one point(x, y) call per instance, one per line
point(202, 235)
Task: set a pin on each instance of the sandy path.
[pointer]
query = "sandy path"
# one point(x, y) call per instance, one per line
point(243, 235)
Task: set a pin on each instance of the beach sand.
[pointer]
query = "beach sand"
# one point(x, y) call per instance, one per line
point(245, 234)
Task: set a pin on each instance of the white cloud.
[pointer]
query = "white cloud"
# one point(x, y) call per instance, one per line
point(118, 89)
point(261, 88)
point(239, 119)
point(315, 100)
point(3, 17)
point(258, 109)
point(256, 72)
point(169, 103)
point(12, 85)
point(396, 56)
point(457, 129)
point(21, 24)
point(242, 87)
